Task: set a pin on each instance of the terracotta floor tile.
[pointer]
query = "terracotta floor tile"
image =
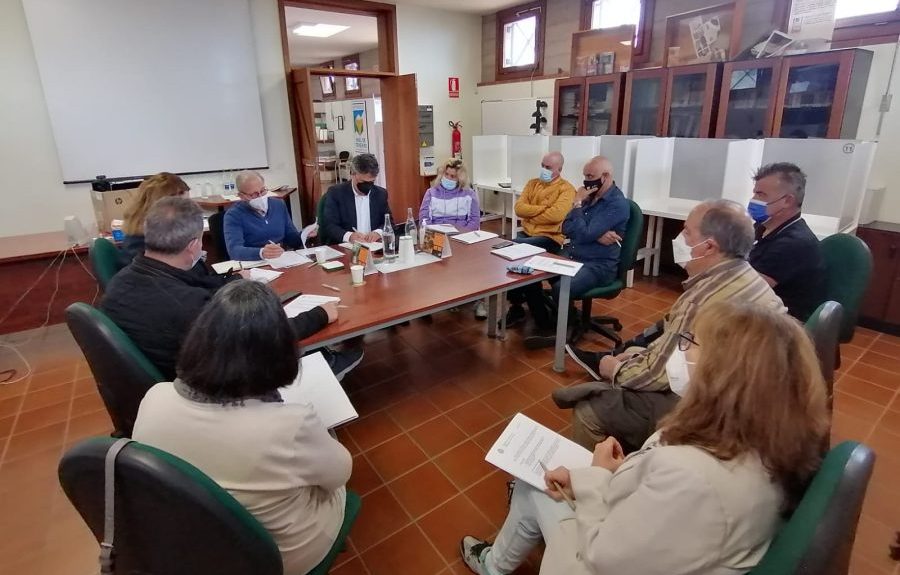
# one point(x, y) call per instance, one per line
point(422, 489)
point(437, 435)
point(506, 400)
point(479, 382)
point(464, 464)
point(413, 411)
point(859, 565)
point(10, 406)
point(346, 440)
point(875, 375)
point(352, 567)
point(405, 553)
point(47, 396)
point(89, 425)
point(13, 390)
point(885, 347)
point(380, 516)
point(856, 407)
point(87, 403)
point(509, 367)
point(21, 473)
point(33, 442)
point(486, 438)
point(551, 419)
point(882, 504)
point(535, 385)
point(845, 427)
point(872, 541)
point(474, 417)
point(53, 377)
point(890, 422)
point(447, 395)
point(6, 425)
point(84, 386)
point(42, 417)
point(372, 430)
point(363, 478)
point(882, 361)
point(850, 352)
point(449, 523)
point(490, 496)
point(865, 390)
point(395, 457)
point(895, 405)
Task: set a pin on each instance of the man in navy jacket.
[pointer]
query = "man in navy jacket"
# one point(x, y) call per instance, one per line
point(259, 227)
point(354, 211)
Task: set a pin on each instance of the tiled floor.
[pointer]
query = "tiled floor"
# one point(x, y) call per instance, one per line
point(432, 398)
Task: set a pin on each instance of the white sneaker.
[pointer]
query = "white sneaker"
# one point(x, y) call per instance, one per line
point(473, 551)
point(480, 310)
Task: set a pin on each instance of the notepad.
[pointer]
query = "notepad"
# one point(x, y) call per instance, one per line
point(306, 302)
point(443, 228)
point(518, 251)
point(317, 386)
point(525, 444)
point(474, 237)
point(263, 276)
point(288, 260)
point(554, 266)
point(330, 253)
point(232, 265)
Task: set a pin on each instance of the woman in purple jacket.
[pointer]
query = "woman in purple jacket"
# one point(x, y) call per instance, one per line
point(450, 200)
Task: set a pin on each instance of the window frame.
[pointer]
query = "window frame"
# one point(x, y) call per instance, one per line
point(346, 60)
point(644, 33)
point(323, 80)
point(514, 14)
point(879, 28)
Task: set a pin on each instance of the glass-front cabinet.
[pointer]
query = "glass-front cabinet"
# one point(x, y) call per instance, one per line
point(604, 104)
point(747, 101)
point(568, 107)
point(690, 100)
point(645, 92)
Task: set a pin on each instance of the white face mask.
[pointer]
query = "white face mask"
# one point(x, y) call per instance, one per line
point(545, 175)
point(677, 372)
point(681, 251)
point(260, 204)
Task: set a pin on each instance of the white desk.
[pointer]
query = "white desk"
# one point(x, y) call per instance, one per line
point(512, 194)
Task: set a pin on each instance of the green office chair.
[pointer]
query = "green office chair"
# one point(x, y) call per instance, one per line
point(106, 260)
point(848, 269)
point(122, 372)
point(824, 326)
point(627, 258)
point(819, 535)
point(172, 518)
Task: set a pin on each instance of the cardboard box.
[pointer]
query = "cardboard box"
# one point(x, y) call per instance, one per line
point(109, 206)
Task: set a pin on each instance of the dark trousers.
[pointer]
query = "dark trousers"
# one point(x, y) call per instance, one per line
point(587, 278)
point(517, 296)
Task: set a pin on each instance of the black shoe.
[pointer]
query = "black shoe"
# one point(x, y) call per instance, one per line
point(589, 360)
point(515, 315)
point(541, 338)
point(341, 362)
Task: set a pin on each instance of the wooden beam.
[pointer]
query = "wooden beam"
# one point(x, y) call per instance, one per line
point(341, 73)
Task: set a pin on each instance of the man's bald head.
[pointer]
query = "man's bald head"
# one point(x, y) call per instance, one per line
point(553, 161)
point(598, 175)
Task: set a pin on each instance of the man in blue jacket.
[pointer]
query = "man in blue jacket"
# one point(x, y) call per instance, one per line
point(259, 227)
point(594, 228)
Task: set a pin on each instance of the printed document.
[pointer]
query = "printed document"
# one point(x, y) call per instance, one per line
point(443, 228)
point(554, 266)
point(317, 385)
point(474, 237)
point(263, 276)
point(518, 251)
point(234, 266)
point(306, 302)
point(288, 260)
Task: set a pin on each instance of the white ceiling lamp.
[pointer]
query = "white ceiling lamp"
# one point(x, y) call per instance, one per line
point(318, 30)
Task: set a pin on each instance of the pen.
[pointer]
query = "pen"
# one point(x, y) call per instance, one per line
point(343, 307)
point(563, 265)
point(477, 235)
point(332, 288)
point(618, 243)
point(559, 488)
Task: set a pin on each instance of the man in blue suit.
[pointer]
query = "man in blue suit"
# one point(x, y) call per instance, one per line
point(354, 211)
point(258, 227)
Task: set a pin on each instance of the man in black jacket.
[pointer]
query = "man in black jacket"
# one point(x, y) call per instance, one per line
point(354, 211)
point(156, 298)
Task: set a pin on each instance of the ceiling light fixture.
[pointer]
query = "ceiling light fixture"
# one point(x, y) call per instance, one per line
point(318, 30)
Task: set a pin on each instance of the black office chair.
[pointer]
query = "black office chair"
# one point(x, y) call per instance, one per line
point(342, 165)
point(122, 372)
point(217, 232)
point(824, 326)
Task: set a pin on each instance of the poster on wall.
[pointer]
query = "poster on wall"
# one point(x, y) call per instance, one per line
point(812, 19)
point(360, 128)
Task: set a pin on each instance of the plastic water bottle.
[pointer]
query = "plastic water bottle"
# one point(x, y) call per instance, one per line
point(411, 230)
point(422, 232)
point(389, 239)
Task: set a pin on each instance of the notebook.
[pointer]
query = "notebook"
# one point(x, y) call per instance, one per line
point(518, 251)
point(231, 265)
point(474, 237)
point(443, 228)
point(317, 386)
point(306, 302)
point(263, 276)
point(288, 260)
point(554, 266)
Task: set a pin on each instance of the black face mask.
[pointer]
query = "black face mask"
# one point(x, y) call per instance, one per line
point(598, 183)
point(364, 187)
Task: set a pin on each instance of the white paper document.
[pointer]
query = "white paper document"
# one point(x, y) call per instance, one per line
point(443, 228)
point(263, 276)
point(317, 386)
point(525, 444)
point(306, 302)
point(288, 260)
point(330, 253)
point(231, 265)
point(474, 237)
point(518, 251)
point(373, 246)
point(420, 259)
point(554, 266)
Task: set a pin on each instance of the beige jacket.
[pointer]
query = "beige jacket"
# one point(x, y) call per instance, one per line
point(668, 510)
point(277, 460)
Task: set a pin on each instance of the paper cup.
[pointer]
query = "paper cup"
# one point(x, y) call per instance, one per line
point(320, 256)
point(407, 249)
point(356, 274)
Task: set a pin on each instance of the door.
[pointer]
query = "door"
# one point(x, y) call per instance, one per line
point(747, 102)
point(812, 95)
point(645, 92)
point(310, 185)
point(567, 107)
point(691, 98)
point(399, 102)
point(603, 107)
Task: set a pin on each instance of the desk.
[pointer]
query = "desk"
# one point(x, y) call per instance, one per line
point(219, 203)
point(513, 194)
point(470, 274)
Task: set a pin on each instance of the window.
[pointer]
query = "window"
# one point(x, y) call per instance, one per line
point(327, 82)
point(351, 85)
point(854, 8)
point(520, 41)
point(599, 14)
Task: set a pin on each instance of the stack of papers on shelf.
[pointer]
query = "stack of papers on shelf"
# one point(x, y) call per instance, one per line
point(525, 444)
point(330, 253)
point(232, 265)
point(554, 266)
point(263, 276)
point(288, 260)
point(518, 251)
point(317, 386)
point(443, 228)
point(475, 237)
point(306, 302)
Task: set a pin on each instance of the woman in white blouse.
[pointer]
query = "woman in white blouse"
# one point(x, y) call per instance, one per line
point(224, 415)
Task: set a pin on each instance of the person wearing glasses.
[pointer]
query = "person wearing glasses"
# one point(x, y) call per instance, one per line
point(259, 227)
point(709, 489)
point(634, 389)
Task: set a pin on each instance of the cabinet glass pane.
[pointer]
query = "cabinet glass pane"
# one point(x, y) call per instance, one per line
point(569, 110)
point(686, 111)
point(809, 100)
point(646, 100)
point(600, 109)
point(748, 103)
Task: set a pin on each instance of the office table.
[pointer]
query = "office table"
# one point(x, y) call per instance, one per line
point(472, 273)
point(512, 194)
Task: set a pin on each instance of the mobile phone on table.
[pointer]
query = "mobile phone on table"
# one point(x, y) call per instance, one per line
point(500, 245)
point(288, 296)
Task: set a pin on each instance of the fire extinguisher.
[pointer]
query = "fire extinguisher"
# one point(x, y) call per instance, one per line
point(456, 140)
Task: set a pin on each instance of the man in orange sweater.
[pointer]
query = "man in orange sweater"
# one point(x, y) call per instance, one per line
point(542, 207)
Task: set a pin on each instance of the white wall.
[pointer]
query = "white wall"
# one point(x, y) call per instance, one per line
point(35, 200)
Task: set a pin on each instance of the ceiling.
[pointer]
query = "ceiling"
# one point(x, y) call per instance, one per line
point(472, 6)
point(362, 35)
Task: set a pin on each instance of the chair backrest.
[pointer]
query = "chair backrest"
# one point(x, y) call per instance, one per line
point(106, 261)
point(632, 239)
point(819, 535)
point(169, 516)
point(217, 231)
point(122, 372)
point(344, 156)
point(848, 269)
point(824, 327)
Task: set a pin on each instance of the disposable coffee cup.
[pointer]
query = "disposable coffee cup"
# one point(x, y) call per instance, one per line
point(407, 249)
point(356, 274)
point(320, 256)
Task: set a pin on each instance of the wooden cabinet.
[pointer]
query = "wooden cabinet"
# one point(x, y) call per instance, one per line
point(603, 105)
point(881, 305)
point(747, 100)
point(568, 107)
point(692, 96)
point(644, 108)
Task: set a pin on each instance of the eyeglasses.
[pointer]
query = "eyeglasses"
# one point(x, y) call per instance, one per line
point(255, 195)
point(686, 340)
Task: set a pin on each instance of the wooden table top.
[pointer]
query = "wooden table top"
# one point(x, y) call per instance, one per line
point(471, 271)
point(35, 246)
point(218, 201)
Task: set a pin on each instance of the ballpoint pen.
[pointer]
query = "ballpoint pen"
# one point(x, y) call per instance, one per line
point(559, 488)
point(331, 287)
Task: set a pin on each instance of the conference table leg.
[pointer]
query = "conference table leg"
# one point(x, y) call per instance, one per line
point(648, 247)
point(657, 245)
point(492, 316)
point(562, 323)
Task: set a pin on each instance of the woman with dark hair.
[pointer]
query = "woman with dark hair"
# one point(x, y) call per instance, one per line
point(707, 492)
point(224, 415)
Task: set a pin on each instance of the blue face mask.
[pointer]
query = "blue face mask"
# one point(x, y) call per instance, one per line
point(449, 184)
point(546, 175)
point(757, 211)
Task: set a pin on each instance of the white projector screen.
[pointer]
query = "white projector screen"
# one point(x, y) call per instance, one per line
point(135, 87)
